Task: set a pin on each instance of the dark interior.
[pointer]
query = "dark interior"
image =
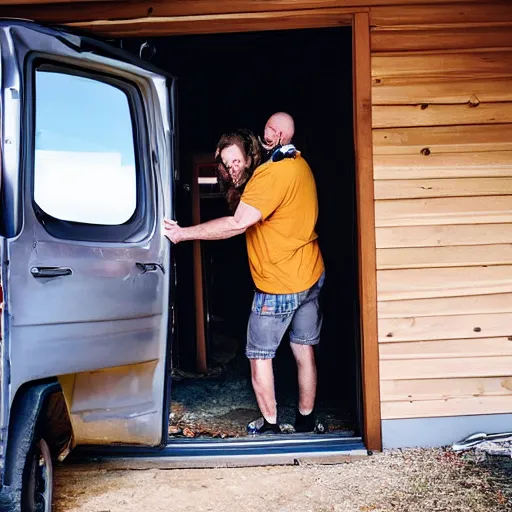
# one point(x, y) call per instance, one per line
point(238, 80)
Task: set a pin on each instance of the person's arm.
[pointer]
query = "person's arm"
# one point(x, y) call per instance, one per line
point(217, 229)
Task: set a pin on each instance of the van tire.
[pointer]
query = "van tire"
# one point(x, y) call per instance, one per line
point(29, 451)
point(37, 486)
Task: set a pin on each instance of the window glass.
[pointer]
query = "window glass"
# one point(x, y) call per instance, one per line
point(84, 150)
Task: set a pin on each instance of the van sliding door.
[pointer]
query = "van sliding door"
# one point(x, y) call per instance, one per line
point(89, 155)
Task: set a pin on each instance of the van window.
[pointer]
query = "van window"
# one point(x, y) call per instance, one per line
point(84, 163)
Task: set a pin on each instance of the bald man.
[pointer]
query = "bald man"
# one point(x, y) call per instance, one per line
point(278, 211)
point(279, 131)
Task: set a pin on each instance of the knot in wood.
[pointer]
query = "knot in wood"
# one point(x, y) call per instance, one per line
point(474, 101)
point(425, 151)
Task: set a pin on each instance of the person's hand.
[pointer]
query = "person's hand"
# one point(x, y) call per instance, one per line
point(172, 231)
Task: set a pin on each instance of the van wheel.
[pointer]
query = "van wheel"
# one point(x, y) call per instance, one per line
point(38, 480)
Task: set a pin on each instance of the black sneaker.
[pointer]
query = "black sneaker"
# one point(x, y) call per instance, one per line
point(304, 423)
point(262, 426)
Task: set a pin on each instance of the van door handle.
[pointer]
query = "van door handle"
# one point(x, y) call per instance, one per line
point(149, 267)
point(50, 271)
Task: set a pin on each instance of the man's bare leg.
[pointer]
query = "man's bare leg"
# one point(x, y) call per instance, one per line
point(307, 376)
point(262, 374)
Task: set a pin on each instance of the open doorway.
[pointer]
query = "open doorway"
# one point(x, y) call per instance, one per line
point(231, 81)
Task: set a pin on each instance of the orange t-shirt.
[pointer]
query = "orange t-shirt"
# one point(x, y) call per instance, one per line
point(283, 250)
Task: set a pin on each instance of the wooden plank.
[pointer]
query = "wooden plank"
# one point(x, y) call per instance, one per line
point(26, 3)
point(443, 165)
point(201, 360)
point(439, 211)
point(439, 349)
point(443, 236)
point(456, 63)
point(447, 187)
point(470, 305)
point(389, 116)
point(443, 282)
point(447, 407)
point(432, 389)
point(455, 256)
point(366, 232)
point(454, 367)
point(446, 327)
point(206, 6)
point(219, 23)
point(84, 10)
point(65, 11)
point(442, 139)
point(411, 91)
point(469, 12)
point(439, 37)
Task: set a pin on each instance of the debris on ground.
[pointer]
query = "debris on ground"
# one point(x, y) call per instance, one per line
point(413, 480)
point(220, 403)
point(492, 444)
point(188, 432)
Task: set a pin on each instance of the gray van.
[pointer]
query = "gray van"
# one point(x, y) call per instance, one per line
point(86, 276)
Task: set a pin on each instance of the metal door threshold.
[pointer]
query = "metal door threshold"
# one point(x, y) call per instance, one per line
point(208, 453)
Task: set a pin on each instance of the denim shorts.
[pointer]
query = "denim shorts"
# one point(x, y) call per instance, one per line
point(272, 314)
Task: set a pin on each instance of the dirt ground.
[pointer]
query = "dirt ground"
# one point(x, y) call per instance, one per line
point(222, 403)
point(431, 480)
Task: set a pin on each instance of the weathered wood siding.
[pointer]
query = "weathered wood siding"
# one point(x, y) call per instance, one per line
point(442, 130)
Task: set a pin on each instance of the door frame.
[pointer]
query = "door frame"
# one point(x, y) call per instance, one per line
point(186, 21)
point(365, 204)
point(359, 20)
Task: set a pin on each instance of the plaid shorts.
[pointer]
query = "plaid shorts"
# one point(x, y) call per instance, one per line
point(273, 314)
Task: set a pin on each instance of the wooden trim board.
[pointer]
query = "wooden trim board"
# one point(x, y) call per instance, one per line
point(366, 230)
point(201, 361)
point(203, 7)
point(219, 23)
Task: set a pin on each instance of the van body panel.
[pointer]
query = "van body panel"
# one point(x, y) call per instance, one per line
point(92, 310)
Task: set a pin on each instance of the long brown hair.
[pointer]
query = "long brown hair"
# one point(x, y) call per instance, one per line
point(250, 147)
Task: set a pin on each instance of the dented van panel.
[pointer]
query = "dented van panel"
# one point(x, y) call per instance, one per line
point(86, 176)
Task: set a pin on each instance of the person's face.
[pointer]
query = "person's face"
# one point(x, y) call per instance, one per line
point(234, 161)
point(271, 135)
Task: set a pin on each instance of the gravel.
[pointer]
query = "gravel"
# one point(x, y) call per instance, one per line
point(426, 480)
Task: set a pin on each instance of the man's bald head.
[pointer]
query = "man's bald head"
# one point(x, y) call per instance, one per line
point(279, 129)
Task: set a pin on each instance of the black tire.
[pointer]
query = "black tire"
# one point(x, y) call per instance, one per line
point(37, 489)
point(34, 437)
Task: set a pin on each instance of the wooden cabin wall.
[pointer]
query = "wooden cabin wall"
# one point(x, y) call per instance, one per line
point(442, 132)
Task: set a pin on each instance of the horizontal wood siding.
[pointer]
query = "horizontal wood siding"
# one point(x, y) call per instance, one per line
point(442, 130)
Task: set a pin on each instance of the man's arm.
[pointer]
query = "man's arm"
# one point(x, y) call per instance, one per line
point(217, 229)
